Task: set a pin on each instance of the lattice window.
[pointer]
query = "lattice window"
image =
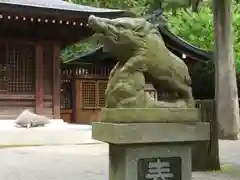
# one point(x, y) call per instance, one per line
point(2, 68)
point(89, 90)
point(102, 85)
point(2, 77)
point(20, 62)
point(92, 71)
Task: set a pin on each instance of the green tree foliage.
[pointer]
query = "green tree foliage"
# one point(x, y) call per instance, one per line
point(197, 28)
point(138, 7)
point(74, 50)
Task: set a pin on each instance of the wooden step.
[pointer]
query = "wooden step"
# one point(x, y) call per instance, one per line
point(13, 112)
point(7, 117)
point(13, 117)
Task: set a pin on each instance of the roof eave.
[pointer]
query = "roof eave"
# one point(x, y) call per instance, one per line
point(32, 10)
point(206, 54)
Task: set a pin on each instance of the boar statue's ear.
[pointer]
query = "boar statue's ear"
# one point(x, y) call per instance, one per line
point(145, 29)
point(140, 30)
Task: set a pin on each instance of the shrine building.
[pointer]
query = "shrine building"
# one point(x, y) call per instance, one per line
point(32, 34)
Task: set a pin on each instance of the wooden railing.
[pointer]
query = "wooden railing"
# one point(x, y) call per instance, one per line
point(85, 71)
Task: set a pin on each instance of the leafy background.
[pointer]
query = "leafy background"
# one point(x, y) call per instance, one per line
point(197, 28)
point(138, 7)
point(194, 27)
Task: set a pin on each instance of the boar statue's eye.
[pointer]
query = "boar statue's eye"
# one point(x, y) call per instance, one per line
point(139, 28)
point(120, 25)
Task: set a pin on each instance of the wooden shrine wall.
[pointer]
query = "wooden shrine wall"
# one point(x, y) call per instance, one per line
point(86, 84)
point(17, 79)
point(48, 79)
point(90, 96)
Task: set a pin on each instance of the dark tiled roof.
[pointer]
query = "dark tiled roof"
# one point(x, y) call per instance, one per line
point(57, 4)
point(173, 41)
point(58, 8)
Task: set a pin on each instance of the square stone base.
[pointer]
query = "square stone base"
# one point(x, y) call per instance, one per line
point(137, 133)
point(150, 115)
point(145, 161)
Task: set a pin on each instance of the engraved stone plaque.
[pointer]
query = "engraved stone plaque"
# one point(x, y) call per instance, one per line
point(162, 168)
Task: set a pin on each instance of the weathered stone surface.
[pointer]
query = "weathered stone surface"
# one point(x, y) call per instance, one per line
point(146, 128)
point(150, 115)
point(29, 119)
point(125, 161)
point(133, 133)
point(141, 53)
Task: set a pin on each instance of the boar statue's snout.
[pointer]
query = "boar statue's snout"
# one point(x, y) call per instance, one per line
point(91, 20)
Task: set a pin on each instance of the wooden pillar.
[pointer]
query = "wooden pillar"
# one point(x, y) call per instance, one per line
point(39, 79)
point(73, 100)
point(56, 81)
point(227, 108)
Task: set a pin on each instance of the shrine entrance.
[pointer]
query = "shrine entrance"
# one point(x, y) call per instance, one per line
point(18, 78)
point(83, 92)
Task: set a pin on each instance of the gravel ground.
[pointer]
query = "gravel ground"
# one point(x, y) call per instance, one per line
point(90, 162)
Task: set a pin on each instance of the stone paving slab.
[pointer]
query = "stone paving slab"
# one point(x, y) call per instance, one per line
point(55, 133)
point(90, 162)
point(32, 137)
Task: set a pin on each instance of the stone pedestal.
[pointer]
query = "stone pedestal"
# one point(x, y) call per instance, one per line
point(150, 150)
point(137, 162)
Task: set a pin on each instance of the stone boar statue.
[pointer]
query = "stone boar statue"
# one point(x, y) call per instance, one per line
point(140, 51)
